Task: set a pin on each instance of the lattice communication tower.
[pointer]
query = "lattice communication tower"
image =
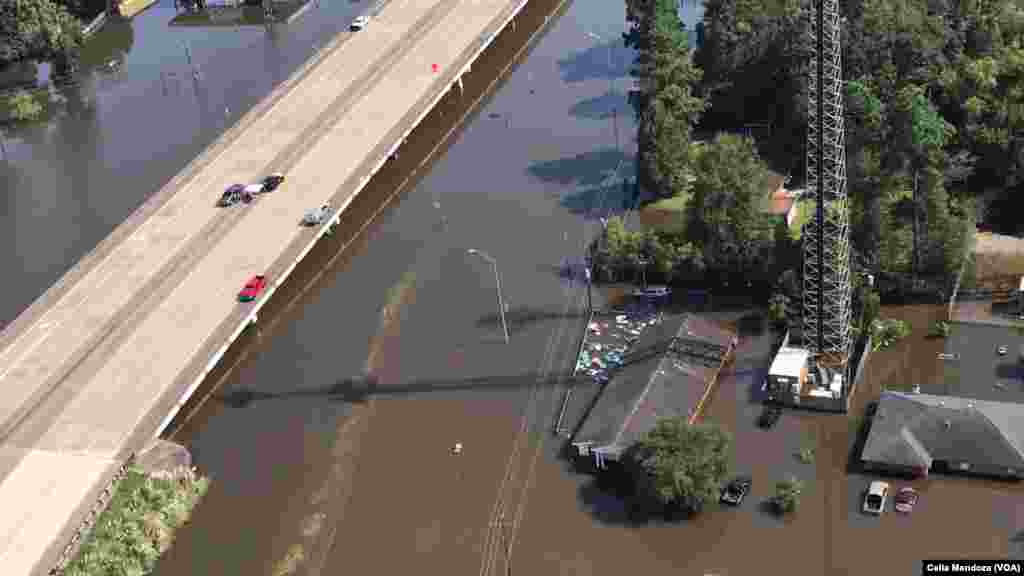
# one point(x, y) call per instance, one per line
point(826, 298)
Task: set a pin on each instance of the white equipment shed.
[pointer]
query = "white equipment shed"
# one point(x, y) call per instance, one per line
point(789, 370)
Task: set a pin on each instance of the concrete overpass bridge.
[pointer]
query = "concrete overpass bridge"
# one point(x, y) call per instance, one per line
point(98, 366)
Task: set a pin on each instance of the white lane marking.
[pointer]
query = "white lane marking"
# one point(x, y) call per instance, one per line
point(67, 304)
point(204, 176)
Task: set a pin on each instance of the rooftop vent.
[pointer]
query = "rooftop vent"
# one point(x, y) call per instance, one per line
point(948, 424)
point(970, 405)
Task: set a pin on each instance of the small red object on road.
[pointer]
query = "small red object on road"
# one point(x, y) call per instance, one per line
point(433, 67)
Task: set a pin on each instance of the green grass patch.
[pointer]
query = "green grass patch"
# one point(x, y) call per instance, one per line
point(138, 524)
point(667, 215)
point(673, 204)
point(804, 212)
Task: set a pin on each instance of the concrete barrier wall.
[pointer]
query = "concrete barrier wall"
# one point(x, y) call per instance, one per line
point(454, 83)
point(432, 127)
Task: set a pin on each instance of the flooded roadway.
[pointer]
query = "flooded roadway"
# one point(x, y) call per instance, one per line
point(525, 182)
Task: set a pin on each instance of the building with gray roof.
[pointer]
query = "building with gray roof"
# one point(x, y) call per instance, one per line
point(667, 373)
point(917, 433)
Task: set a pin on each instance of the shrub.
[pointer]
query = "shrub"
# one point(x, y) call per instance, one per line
point(787, 495)
point(885, 333)
point(138, 524)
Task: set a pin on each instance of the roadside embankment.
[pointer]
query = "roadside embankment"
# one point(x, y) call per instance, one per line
point(152, 499)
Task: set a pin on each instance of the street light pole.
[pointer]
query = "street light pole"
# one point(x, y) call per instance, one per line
point(590, 297)
point(497, 283)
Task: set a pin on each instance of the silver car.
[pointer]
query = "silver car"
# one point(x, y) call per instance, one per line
point(874, 501)
point(359, 23)
point(316, 215)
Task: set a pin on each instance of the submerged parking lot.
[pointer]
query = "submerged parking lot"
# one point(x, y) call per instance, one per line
point(572, 527)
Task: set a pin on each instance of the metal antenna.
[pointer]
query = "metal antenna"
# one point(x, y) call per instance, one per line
point(826, 302)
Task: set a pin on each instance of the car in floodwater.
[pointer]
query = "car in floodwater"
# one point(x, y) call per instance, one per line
point(253, 288)
point(736, 490)
point(653, 292)
point(359, 23)
point(769, 416)
point(874, 500)
point(905, 500)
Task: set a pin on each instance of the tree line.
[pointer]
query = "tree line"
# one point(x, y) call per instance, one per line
point(44, 29)
point(933, 113)
point(933, 101)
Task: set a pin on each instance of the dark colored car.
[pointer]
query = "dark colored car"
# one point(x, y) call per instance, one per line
point(769, 416)
point(253, 288)
point(905, 500)
point(270, 183)
point(737, 490)
point(234, 194)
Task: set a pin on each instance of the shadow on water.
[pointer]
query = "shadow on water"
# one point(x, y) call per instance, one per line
point(609, 499)
point(599, 201)
point(587, 169)
point(601, 107)
point(521, 318)
point(357, 389)
point(607, 60)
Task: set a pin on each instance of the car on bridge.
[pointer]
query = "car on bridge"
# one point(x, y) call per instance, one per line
point(253, 288)
point(234, 194)
point(359, 23)
point(271, 183)
point(316, 215)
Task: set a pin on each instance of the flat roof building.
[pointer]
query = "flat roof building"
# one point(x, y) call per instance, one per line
point(666, 373)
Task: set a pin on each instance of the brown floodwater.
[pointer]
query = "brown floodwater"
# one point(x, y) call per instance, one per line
point(573, 529)
point(309, 479)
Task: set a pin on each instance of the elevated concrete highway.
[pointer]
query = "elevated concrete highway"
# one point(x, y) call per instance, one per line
point(98, 365)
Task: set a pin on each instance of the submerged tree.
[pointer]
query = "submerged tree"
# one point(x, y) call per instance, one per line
point(678, 465)
point(19, 108)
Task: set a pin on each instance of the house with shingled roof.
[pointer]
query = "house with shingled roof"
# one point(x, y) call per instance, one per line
point(913, 434)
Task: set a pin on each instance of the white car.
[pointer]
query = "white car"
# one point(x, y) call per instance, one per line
point(316, 215)
point(874, 501)
point(359, 23)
